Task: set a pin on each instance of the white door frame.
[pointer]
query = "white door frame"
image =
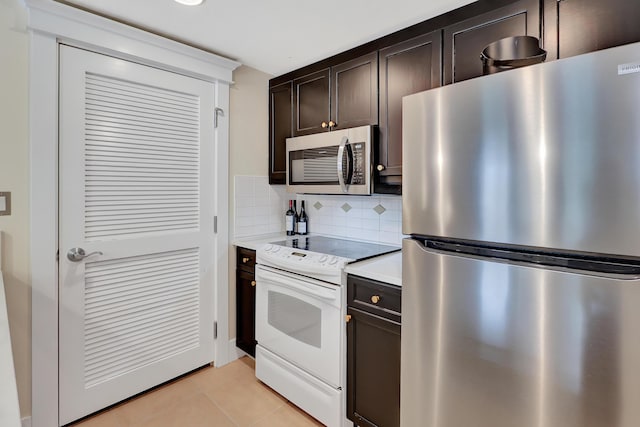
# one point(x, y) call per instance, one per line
point(52, 23)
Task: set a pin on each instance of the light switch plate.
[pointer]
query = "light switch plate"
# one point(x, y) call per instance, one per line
point(5, 203)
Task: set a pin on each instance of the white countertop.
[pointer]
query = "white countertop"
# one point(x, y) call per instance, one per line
point(254, 242)
point(384, 268)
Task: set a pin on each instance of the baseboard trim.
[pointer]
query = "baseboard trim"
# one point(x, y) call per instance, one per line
point(234, 352)
point(26, 422)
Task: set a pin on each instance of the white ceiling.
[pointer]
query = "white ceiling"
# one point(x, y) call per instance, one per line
point(274, 36)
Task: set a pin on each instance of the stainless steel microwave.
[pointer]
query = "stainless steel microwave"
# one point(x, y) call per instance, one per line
point(336, 162)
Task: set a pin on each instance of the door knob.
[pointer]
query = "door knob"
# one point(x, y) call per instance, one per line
point(375, 299)
point(332, 124)
point(253, 283)
point(78, 254)
point(380, 168)
point(324, 125)
point(245, 260)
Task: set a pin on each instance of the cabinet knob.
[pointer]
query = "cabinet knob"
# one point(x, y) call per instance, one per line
point(375, 299)
point(253, 283)
point(380, 168)
point(347, 318)
point(332, 124)
point(324, 125)
point(245, 260)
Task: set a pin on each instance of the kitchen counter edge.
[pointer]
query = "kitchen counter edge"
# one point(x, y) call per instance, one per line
point(384, 268)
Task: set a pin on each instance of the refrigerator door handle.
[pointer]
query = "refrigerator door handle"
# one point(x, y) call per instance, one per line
point(617, 269)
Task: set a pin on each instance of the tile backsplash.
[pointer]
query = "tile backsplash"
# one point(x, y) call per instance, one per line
point(260, 207)
point(376, 218)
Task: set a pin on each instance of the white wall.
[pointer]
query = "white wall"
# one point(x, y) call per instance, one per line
point(14, 177)
point(248, 151)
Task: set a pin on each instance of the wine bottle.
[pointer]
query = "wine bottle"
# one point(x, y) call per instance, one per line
point(289, 220)
point(302, 220)
point(295, 218)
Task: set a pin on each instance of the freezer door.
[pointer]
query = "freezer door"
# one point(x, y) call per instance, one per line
point(543, 156)
point(492, 344)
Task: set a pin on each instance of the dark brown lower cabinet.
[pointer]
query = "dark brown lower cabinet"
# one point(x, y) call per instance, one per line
point(373, 359)
point(246, 301)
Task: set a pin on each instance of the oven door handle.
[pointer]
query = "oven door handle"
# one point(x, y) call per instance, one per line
point(326, 294)
point(341, 149)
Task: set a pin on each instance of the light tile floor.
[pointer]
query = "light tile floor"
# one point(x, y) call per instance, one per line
point(210, 397)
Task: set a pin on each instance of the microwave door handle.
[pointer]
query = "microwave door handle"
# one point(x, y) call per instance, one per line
point(341, 148)
point(350, 160)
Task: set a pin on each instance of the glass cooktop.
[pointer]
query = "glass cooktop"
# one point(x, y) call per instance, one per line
point(352, 249)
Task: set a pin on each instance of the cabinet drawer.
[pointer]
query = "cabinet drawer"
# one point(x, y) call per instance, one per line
point(246, 259)
point(374, 297)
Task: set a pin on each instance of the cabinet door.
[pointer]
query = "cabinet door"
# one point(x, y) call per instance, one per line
point(464, 41)
point(406, 68)
point(311, 103)
point(280, 128)
point(373, 370)
point(246, 312)
point(354, 99)
point(590, 25)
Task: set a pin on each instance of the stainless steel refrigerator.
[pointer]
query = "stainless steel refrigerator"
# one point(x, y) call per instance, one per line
point(521, 279)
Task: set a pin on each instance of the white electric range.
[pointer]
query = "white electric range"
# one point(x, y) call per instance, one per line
point(300, 304)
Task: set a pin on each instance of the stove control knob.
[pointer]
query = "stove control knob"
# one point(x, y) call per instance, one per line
point(268, 248)
point(333, 260)
point(323, 258)
point(275, 248)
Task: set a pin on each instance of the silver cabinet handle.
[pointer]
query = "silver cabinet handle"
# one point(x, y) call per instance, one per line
point(78, 254)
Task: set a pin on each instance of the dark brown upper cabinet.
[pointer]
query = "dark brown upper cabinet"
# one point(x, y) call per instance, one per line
point(464, 41)
point(354, 99)
point(280, 128)
point(343, 96)
point(342, 91)
point(405, 68)
point(311, 103)
point(590, 25)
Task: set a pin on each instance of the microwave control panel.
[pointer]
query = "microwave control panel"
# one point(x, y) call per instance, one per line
point(358, 177)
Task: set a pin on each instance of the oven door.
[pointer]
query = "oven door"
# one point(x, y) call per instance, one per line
point(298, 319)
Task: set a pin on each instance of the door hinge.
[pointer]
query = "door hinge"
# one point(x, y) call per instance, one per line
point(217, 111)
point(215, 224)
point(58, 255)
point(215, 330)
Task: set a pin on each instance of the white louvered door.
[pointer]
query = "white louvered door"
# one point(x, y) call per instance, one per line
point(137, 184)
